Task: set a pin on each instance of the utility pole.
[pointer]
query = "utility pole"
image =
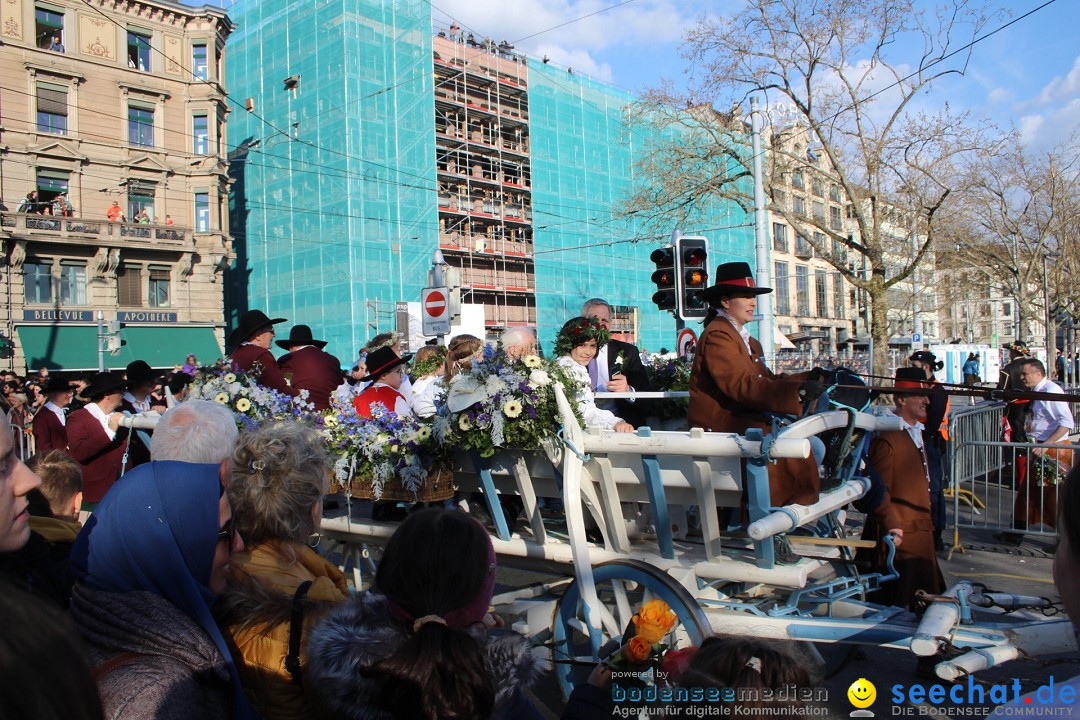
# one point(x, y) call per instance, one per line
point(761, 240)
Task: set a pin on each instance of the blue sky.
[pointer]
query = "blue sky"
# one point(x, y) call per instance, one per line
point(1027, 75)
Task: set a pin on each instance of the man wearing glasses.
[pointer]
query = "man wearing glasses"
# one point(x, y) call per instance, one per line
point(251, 351)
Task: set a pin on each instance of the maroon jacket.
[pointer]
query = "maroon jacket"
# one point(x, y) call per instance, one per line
point(49, 432)
point(314, 370)
point(100, 457)
point(246, 356)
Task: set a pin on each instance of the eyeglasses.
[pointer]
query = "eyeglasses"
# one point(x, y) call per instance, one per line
point(228, 533)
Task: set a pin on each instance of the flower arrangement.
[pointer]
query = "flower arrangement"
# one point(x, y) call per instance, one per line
point(1046, 471)
point(503, 402)
point(669, 374)
point(642, 639)
point(577, 331)
point(252, 404)
point(385, 454)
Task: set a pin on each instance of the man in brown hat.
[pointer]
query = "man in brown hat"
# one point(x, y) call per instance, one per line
point(251, 342)
point(900, 459)
point(732, 390)
point(95, 438)
point(50, 423)
point(309, 367)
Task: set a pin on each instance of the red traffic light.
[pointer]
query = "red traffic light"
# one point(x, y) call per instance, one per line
point(694, 257)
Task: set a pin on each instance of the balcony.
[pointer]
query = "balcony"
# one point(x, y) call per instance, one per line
point(485, 245)
point(96, 233)
point(803, 250)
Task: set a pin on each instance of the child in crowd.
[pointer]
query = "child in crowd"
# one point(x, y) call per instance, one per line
point(576, 346)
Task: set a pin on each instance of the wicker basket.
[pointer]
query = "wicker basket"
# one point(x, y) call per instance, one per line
point(438, 486)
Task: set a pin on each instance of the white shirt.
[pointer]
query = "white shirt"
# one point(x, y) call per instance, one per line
point(58, 412)
point(99, 415)
point(139, 405)
point(426, 400)
point(594, 416)
point(743, 332)
point(1048, 415)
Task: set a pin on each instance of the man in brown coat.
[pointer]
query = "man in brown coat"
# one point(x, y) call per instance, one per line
point(95, 438)
point(50, 423)
point(251, 351)
point(899, 458)
point(309, 368)
point(731, 389)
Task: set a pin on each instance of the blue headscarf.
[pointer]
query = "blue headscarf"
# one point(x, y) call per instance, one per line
point(156, 530)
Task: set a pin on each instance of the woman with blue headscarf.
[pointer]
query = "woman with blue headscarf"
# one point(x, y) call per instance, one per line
point(151, 561)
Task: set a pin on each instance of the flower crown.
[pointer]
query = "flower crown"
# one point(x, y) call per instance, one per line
point(578, 331)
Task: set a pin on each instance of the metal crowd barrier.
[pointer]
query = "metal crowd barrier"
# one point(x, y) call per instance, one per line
point(24, 443)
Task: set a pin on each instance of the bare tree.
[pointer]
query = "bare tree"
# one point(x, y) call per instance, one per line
point(845, 104)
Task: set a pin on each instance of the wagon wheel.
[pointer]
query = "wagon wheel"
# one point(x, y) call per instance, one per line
point(622, 586)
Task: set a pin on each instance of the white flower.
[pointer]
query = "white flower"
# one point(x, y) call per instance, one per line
point(539, 378)
point(222, 397)
point(464, 392)
point(494, 385)
point(463, 423)
point(512, 408)
point(423, 433)
point(382, 438)
point(331, 421)
point(229, 378)
point(532, 361)
point(243, 404)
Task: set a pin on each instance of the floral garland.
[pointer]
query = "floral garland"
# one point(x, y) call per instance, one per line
point(251, 403)
point(431, 364)
point(577, 331)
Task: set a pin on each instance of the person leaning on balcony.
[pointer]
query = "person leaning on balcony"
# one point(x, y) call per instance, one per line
point(115, 213)
point(251, 354)
point(55, 45)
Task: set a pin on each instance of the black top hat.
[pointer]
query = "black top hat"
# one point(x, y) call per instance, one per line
point(139, 372)
point(251, 322)
point(102, 384)
point(910, 377)
point(733, 278)
point(300, 335)
point(381, 360)
point(56, 385)
point(925, 356)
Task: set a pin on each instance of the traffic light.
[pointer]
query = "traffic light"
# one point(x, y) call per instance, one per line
point(7, 347)
point(692, 257)
point(664, 277)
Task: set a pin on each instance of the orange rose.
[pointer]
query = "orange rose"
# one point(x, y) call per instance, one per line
point(654, 620)
point(638, 649)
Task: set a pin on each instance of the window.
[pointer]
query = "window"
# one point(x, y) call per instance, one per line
point(802, 290)
point(202, 212)
point(783, 300)
point(834, 193)
point(1006, 309)
point(49, 29)
point(52, 109)
point(803, 248)
point(141, 125)
point(798, 205)
point(158, 295)
point(37, 278)
point(838, 295)
point(779, 237)
point(200, 132)
point(199, 66)
point(72, 283)
point(129, 286)
point(138, 51)
point(821, 283)
point(140, 197)
point(819, 211)
point(835, 222)
point(797, 180)
point(817, 187)
point(51, 183)
point(779, 197)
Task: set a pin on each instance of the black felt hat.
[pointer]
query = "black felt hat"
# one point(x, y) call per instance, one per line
point(925, 356)
point(251, 322)
point(300, 335)
point(56, 385)
point(910, 377)
point(733, 278)
point(381, 360)
point(102, 384)
point(139, 372)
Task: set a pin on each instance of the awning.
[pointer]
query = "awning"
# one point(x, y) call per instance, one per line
point(75, 347)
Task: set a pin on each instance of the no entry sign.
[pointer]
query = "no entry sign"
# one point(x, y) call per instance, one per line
point(435, 311)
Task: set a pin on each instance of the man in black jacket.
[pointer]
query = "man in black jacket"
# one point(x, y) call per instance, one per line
point(617, 368)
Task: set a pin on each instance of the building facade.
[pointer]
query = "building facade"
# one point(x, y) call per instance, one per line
point(114, 119)
point(394, 139)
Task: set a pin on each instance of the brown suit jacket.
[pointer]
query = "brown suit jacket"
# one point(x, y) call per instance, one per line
point(906, 506)
point(49, 432)
point(314, 370)
point(730, 390)
point(246, 356)
point(100, 457)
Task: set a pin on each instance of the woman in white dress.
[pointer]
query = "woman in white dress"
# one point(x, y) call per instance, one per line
point(576, 346)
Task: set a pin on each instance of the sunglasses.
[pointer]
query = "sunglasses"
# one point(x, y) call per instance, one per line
point(228, 533)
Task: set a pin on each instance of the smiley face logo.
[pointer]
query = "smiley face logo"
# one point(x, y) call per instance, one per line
point(862, 693)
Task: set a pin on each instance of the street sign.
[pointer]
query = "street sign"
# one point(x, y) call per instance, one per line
point(686, 342)
point(435, 311)
point(916, 338)
point(916, 341)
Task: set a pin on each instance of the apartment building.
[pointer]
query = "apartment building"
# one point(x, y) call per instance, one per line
point(114, 118)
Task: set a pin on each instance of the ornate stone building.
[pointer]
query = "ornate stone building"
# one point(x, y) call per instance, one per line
point(114, 118)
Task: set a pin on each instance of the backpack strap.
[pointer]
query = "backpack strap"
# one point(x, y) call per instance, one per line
point(100, 671)
point(296, 630)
